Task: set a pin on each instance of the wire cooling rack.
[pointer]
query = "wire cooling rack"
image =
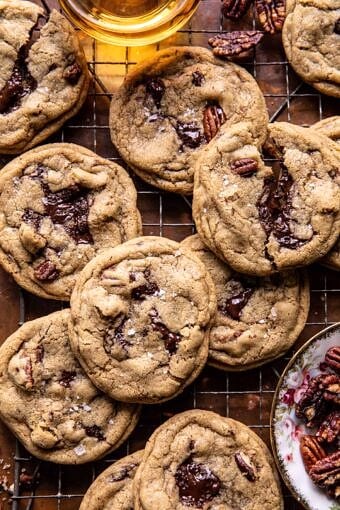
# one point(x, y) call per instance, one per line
point(246, 397)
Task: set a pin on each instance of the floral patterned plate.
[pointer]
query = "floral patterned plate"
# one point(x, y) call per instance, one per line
point(286, 428)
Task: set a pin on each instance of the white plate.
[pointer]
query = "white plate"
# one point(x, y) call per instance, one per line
point(286, 428)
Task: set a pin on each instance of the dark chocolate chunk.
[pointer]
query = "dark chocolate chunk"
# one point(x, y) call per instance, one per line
point(244, 466)
point(66, 378)
point(32, 218)
point(141, 292)
point(39, 353)
point(198, 78)
point(196, 483)
point(171, 340)
point(274, 208)
point(95, 431)
point(124, 473)
point(115, 335)
point(72, 73)
point(234, 305)
point(156, 88)
point(190, 134)
point(337, 27)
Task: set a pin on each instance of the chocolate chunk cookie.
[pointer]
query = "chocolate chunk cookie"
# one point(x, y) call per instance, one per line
point(331, 128)
point(179, 100)
point(60, 204)
point(50, 404)
point(311, 39)
point(261, 219)
point(140, 319)
point(201, 460)
point(258, 319)
point(43, 74)
point(113, 489)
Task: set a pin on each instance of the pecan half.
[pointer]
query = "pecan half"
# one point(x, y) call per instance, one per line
point(244, 464)
point(234, 43)
point(331, 386)
point(235, 9)
point(213, 118)
point(46, 272)
point(332, 358)
point(271, 14)
point(326, 474)
point(311, 451)
point(330, 428)
point(245, 167)
point(315, 404)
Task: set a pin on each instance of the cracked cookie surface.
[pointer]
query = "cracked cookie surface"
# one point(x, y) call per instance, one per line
point(48, 401)
point(331, 128)
point(60, 204)
point(140, 319)
point(262, 220)
point(113, 489)
point(199, 460)
point(257, 319)
point(43, 74)
point(180, 99)
point(311, 39)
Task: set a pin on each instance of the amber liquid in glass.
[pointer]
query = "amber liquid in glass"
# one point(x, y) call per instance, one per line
point(129, 22)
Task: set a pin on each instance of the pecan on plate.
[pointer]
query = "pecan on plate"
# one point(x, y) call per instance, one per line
point(330, 428)
point(233, 43)
point(271, 14)
point(332, 358)
point(235, 9)
point(245, 167)
point(311, 451)
point(331, 387)
point(213, 118)
point(312, 407)
point(326, 474)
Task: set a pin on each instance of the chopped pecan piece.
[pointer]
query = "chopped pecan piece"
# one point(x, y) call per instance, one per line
point(315, 402)
point(234, 43)
point(72, 73)
point(311, 451)
point(326, 474)
point(235, 9)
point(213, 118)
point(332, 358)
point(245, 167)
point(271, 14)
point(330, 428)
point(46, 272)
point(331, 386)
point(244, 464)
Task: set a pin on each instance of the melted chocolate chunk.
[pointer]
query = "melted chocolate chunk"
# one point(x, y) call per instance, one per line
point(337, 27)
point(274, 208)
point(95, 431)
point(141, 292)
point(190, 134)
point(46, 272)
point(196, 483)
point(198, 78)
point(156, 88)
point(69, 207)
point(32, 218)
point(21, 82)
point(66, 378)
point(234, 305)
point(72, 73)
point(246, 469)
point(171, 340)
point(115, 335)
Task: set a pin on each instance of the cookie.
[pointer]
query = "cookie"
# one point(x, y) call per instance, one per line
point(50, 404)
point(60, 204)
point(178, 100)
point(199, 459)
point(258, 319)
point(140, 316)
point(43, 74)
point(331, 128)
point(311, 39)
point(113, 489)
point(261, 220)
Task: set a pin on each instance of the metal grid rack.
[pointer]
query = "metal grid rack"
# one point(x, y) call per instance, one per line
point(244, 397)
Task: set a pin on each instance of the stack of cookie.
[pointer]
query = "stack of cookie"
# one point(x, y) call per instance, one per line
point(196, 459)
